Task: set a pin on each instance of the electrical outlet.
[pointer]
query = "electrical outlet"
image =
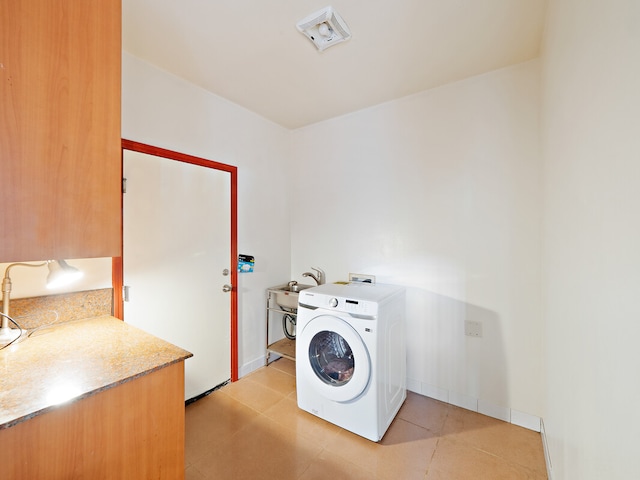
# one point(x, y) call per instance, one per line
point(473, 328)
point(362, 278)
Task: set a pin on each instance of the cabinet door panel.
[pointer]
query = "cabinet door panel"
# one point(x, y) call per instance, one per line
point(60, 161)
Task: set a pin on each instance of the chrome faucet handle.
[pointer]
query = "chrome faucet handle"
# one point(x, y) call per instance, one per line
point(321, 275)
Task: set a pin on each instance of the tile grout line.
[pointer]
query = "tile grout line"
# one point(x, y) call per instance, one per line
point(433, 454)
point(440, 437)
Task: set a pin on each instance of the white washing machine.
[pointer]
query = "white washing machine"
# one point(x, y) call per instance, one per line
point(350, 355)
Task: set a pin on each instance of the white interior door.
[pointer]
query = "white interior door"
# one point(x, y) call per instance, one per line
point(176, 246)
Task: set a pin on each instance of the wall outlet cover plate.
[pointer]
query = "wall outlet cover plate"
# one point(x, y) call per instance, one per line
point(360, 277)
point(473, 328)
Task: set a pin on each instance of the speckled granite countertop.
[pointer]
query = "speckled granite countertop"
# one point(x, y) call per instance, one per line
point(73, 361)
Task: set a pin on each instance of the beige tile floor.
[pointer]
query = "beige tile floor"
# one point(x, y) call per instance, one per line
point(252, 429)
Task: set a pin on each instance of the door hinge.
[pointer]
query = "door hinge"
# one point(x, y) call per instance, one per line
point(124, 185)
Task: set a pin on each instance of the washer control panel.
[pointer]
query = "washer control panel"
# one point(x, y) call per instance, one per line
point(359, 300)
point(348, 305)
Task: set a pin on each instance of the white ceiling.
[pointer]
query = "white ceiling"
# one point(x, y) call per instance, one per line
point(250, 52)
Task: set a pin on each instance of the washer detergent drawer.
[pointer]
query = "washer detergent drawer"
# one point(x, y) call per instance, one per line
point(333, 357)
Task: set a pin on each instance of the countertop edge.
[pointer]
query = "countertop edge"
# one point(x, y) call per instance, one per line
point(24, 418)
point(115, 328)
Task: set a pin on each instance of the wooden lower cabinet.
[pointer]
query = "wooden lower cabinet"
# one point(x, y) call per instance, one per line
point(132, 431)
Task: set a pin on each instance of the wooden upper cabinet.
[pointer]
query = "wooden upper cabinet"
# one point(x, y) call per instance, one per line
point(60, 155)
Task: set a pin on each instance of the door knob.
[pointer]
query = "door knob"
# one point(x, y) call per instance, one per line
point(226, 288)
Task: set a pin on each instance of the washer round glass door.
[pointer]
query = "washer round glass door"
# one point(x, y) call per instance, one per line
point(338, 363)
point(331, 358)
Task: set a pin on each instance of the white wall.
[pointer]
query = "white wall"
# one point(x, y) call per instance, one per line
point(439, 192)
point(163, 110)
point(591, 148)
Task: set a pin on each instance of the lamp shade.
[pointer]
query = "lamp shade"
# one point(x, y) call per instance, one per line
point(61, 274)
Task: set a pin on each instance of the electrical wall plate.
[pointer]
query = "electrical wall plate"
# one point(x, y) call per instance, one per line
point(473, 328)
point(362, 278)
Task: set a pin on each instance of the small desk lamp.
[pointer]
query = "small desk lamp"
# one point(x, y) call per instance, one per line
point(60, 274)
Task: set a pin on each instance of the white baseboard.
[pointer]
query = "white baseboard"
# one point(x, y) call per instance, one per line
point(251, 366)
point(528, 421)
point(413, 385)
point(496, 411)
point(525, 420)
point(547, 455)
point(434, 392)
point(463, 401)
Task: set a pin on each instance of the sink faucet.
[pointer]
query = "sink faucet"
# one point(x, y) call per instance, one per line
point(319, 278)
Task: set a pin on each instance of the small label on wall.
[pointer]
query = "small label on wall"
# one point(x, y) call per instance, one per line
point(245, 263)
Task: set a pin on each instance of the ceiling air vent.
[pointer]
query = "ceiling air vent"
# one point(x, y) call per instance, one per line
point(324, 28)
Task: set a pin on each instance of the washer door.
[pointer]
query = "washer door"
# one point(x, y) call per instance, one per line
point(338, 365)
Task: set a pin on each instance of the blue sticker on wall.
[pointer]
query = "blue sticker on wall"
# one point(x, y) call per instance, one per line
point(245, 263)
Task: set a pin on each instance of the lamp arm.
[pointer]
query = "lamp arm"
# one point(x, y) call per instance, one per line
point(6, 287)
point(22, 264)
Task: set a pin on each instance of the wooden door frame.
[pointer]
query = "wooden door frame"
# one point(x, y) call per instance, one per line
point(117, 262)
